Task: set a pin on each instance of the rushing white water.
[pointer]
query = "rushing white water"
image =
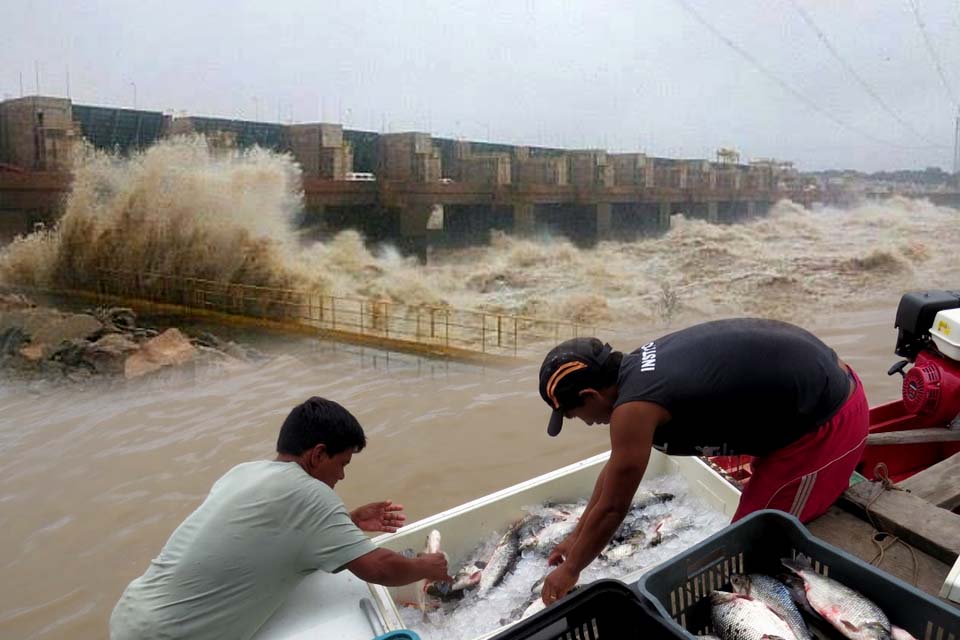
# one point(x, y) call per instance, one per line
point(184, 207)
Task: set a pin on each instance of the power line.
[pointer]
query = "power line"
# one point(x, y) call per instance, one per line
point(933, 52)
point(856, 76)
point(786, 87)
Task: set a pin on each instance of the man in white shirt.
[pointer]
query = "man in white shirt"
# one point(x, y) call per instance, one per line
point(264, 526)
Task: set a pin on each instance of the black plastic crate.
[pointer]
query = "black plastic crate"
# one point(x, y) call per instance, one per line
point(602, 610)
point(679, 588)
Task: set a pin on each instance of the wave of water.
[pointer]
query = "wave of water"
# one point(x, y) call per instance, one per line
point(187, 208)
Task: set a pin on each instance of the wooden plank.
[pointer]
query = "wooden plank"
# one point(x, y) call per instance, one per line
point(848, 532)
point(929, 528)
point(913, 436)
point(938, 484)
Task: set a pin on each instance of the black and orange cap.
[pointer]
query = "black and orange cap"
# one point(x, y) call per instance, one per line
point(568, 368)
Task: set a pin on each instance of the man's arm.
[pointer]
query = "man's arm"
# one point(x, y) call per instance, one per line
point(384, 567)
point(632, 426)
point(560, 550)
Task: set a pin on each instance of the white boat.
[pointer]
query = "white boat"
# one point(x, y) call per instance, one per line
point(345, 608)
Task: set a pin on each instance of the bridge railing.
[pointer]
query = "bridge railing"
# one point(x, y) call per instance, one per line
point(422, 327)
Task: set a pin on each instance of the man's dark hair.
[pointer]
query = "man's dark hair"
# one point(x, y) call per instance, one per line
point(320, 421)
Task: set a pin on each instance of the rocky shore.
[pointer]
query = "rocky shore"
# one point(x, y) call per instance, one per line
point(37, 341)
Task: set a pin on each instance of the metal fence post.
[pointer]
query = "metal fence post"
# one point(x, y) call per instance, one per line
point(483, 333)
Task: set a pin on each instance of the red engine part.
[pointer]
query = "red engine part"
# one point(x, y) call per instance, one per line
point(931, 389)
point(931, 398)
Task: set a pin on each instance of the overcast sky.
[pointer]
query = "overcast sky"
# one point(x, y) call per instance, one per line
point(633, 75)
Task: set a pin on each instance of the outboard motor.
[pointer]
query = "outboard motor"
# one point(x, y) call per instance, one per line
point(931, 388)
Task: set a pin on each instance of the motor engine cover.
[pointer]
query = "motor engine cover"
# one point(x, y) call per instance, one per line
point(931, 389)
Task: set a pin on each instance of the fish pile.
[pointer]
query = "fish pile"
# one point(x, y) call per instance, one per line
point(762, 607)
point(534, 537)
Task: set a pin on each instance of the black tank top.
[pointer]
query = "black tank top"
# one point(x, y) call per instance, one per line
point(740, 386)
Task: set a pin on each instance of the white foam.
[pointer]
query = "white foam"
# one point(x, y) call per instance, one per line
point(472, 616)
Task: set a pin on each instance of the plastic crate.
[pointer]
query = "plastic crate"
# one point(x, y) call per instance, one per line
point(603, 610)
point(679, 588)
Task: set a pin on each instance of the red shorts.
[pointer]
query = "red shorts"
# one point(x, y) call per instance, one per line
point(807, 476)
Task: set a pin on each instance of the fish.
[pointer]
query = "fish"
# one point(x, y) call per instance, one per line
point(739, 617)
point(467, 578)
point(432, 545)
point(896, 633)
point(645, 498)
point(502, 561)
point(798, 594)
point(533, 604)
point(544, 540)
point(775, 595)
point(848, 611)
point(667, 527)
point(615, 552)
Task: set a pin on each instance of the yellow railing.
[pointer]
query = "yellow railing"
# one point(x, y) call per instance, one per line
point(434, 329)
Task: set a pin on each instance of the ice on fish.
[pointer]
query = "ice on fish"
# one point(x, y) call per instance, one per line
point(517, 594)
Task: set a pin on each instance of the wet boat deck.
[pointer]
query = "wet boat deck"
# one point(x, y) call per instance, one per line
point(856, 536)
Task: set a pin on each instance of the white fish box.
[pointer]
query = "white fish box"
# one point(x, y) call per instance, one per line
point(951, 587)
point(311, 612)
point(946, 332)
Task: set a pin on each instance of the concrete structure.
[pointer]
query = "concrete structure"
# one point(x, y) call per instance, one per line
point(631, 169)
point(408, 157)
point(37, 133)
point(590, 168)
point(493, 169)
point(539, 170)
point(425, 190)
point(320, 150)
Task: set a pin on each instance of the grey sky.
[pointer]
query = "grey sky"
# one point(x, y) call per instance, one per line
point(616, 74)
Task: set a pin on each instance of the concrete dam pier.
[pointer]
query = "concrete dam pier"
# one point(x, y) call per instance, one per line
point(410, 188)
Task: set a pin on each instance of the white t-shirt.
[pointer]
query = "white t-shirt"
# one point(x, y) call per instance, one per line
point(232, 562)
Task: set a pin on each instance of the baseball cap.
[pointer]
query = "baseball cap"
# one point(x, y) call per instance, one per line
point(568, 368)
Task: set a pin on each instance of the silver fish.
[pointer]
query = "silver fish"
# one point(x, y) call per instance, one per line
point(616, 552)
point(432, 545)
point(896, 633)
point(739, 617)
point(502, 561)
point(775, 595)
point(848, 611)
point(467, 578)
point(798, 593)
point(550, 536)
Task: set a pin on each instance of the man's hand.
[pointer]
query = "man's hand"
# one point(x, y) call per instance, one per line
point(558, 583)
point(434, 567)
point(560, 551)
point(379, 516)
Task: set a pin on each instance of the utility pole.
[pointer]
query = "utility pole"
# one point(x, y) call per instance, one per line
point(956, 146)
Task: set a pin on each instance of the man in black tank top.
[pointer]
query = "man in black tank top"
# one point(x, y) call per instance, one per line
point(748, 386)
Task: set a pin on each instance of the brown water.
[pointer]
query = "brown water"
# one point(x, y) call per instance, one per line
point(95, 479)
